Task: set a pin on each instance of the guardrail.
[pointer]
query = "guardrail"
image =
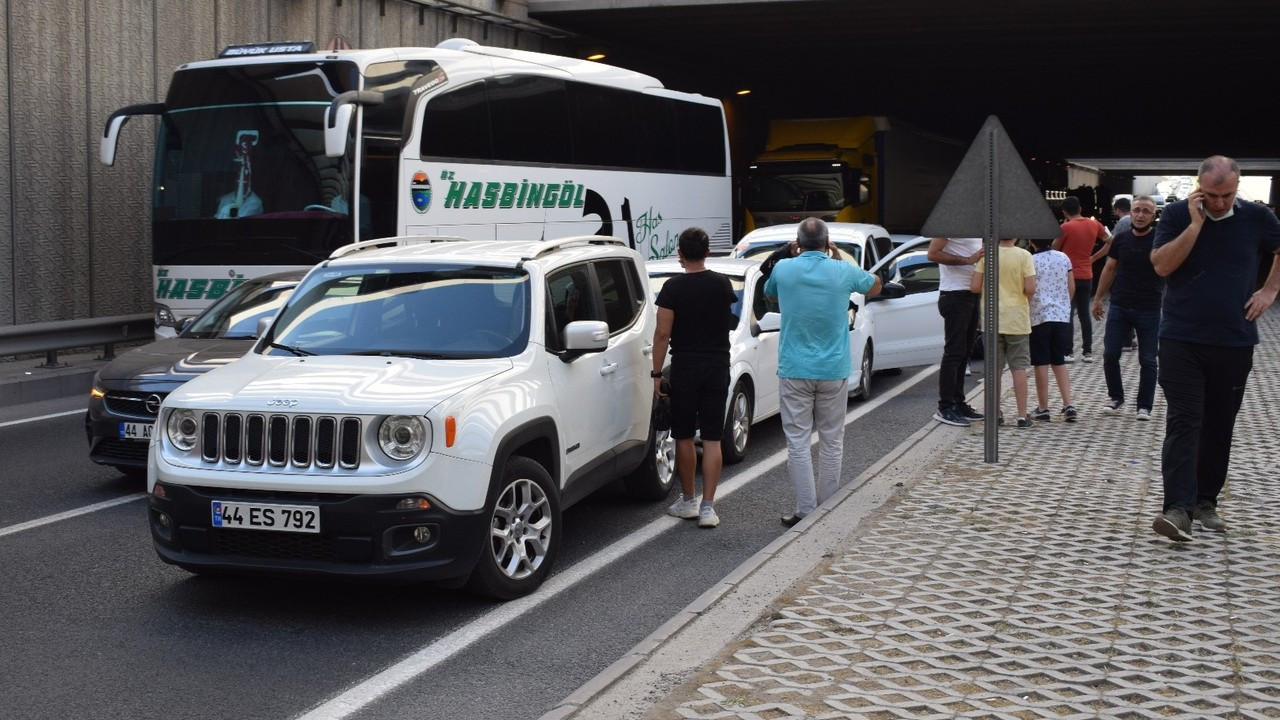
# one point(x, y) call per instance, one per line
point(50, 337)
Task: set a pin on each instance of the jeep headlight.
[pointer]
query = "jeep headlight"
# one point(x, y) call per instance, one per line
point(183, 429)
point(403, 437)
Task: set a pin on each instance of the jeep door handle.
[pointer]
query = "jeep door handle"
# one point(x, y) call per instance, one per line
point(609, 369)
point(647, 350)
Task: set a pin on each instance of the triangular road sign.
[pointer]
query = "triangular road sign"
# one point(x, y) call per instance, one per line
point(991, 194)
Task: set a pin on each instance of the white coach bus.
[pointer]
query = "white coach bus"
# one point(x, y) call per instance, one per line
point(273, 155)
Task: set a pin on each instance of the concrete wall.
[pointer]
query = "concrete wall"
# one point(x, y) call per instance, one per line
point(74, 235)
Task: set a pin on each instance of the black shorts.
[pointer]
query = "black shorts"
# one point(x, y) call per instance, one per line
point(699, 391)
point(1050, 343)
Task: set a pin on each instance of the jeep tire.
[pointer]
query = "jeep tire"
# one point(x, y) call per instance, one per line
point(522, 534)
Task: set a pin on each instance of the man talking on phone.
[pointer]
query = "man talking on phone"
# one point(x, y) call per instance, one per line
point(1207, 248)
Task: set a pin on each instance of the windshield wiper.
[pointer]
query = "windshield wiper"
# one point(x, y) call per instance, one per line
point(291, 348)
point(404, 353)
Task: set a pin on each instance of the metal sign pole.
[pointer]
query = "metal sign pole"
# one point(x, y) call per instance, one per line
point(991, 306)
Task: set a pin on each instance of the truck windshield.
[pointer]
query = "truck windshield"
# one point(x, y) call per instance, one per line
point(241, 175)
point(796, 187)
point(435, 311)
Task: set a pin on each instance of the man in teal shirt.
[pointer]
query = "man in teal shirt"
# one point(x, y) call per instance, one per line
point(812, 291)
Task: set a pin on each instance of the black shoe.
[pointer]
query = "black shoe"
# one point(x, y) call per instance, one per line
point(951, 416)
point(968, 413)
point(791, 520)
point(1174, 524)
point(1206, 513)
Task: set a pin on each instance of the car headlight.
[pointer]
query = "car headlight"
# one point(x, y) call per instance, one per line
point(183, 429)
point(403, 437)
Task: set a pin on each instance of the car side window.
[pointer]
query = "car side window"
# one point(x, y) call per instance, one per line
point(619, 293)
point(571, 298)
point(916, 273)
point(759, 304)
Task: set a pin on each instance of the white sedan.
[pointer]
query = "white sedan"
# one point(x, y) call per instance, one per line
point(899, 328)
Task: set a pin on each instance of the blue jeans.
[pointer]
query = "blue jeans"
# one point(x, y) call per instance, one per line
point(1121, 321)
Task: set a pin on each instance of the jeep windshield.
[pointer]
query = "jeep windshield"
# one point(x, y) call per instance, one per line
point(432, 311)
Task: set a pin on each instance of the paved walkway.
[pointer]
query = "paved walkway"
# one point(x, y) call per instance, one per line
point(1032, 588)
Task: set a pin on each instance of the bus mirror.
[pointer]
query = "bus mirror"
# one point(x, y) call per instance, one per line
point(107, 149)
point(336, 129)
point(264, 324)
point(337, 119)
point(111, 134)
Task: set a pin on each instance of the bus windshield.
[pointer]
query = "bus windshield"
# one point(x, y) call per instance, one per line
point(241, 175)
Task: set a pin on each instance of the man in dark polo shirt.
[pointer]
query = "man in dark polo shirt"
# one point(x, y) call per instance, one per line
point(1135, 307)
point(694, 319)
point(1207, 249)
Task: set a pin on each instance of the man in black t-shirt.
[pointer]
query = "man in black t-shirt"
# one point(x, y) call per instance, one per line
point(1135, 307)
point(694, 320)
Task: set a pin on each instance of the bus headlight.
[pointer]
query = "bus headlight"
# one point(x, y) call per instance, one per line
point(164, 316)
point(403, 437)
point(183, 429)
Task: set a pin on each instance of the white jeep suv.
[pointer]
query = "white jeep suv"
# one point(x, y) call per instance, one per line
point(422, 411)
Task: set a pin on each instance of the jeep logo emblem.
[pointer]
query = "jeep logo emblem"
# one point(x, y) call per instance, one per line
point(281, 402)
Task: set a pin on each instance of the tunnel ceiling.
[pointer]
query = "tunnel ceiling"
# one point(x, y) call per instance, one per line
point(1091, 78)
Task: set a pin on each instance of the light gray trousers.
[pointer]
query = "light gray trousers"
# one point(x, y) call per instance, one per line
point(809, 405)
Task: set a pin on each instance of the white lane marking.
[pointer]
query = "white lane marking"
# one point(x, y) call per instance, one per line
point(42, 417)
point(31, 524)
point(439, 651)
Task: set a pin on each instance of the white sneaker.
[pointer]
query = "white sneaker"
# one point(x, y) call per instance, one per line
point(707, 517)
point(1144, 414)
point(684, 509)
point(1069, 359)
point(968, 369)
point(1087, 357)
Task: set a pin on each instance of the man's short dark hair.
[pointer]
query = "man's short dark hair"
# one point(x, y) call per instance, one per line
point(1122, 203)
point(694, 244)
point(1042, 243)
point(1071, 205)
point(812, 234)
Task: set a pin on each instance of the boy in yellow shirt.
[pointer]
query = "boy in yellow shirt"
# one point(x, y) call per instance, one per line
point(1017, 283)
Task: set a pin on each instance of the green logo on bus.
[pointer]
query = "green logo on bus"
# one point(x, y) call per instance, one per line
point(507, 195)
point(168, 288)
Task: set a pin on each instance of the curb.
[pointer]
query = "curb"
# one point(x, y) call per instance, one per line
point(656, 665)
point(23, 381)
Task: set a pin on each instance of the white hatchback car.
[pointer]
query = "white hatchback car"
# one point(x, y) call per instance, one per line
point(422, 411)
point(862, 244)
point(896, 329)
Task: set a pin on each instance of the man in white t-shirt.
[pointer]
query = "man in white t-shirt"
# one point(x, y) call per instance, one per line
point(1051, 327)
point(958, 307)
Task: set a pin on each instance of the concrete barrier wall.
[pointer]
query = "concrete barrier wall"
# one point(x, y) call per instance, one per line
point(74, 235)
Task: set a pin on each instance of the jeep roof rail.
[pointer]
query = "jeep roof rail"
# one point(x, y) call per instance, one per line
point(548, 246)
point(399, 240)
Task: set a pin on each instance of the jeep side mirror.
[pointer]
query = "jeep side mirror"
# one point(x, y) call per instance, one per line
point(585, 336)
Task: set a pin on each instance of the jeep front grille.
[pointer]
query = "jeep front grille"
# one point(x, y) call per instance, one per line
point(301, 441)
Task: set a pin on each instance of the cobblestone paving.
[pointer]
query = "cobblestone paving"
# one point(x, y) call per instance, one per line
point(1035, 588)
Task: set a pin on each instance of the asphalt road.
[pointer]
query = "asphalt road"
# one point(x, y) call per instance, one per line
point(95, 625)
